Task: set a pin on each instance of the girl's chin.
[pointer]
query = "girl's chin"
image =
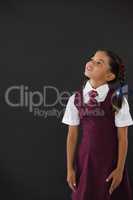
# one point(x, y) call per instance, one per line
point(87, 74)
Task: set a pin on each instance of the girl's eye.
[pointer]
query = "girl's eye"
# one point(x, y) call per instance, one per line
point(98, 62)
point(91, 59)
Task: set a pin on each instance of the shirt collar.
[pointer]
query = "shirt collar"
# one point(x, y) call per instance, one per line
point(102, 89)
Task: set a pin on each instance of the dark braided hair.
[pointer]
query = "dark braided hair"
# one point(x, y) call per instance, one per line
point(118, 68)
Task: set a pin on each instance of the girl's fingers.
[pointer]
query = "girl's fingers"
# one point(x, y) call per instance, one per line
point(113, 186)
point(109, 177)
point(72, 186)
point(74, 181)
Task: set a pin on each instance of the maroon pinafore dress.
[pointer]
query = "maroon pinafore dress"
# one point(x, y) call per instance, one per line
point(97, 154)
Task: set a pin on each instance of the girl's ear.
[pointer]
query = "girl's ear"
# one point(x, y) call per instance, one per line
point(110, 76)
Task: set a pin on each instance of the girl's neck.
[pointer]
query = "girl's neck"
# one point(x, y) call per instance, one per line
point(96, 84)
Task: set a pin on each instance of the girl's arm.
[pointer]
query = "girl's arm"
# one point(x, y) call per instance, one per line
point(72, 137)
point(117, 173)
point(122, 147)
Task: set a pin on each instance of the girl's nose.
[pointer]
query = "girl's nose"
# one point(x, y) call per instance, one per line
point(89, 65)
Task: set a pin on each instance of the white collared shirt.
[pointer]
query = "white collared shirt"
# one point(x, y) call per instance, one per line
point(71, 117)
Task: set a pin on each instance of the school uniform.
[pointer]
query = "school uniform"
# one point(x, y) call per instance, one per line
point(97, 154)
point(71, 117)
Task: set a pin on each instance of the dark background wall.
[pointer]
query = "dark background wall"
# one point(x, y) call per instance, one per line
point(47, 43)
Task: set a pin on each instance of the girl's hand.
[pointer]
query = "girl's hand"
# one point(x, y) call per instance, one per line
point(116, 175)
point(71, 179)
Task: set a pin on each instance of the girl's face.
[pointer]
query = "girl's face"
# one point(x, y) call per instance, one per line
point(98, 67)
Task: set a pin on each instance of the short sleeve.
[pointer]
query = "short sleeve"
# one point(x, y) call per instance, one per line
point(71, 114)
point(123, 116)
